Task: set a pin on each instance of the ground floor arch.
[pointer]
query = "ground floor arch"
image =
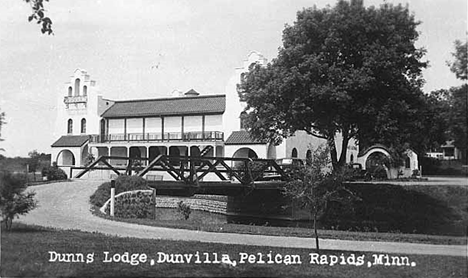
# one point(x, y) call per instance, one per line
point(155, 151)
point(245, 153)
point(377, 160)
point(65, 158)
point(378, 155)
point(373, 157)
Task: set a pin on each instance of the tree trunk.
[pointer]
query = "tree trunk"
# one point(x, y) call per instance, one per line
point(344, 151)
point(333, 155)
point(9, 223)
point(315, 231)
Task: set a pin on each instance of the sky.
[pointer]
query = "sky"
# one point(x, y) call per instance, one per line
point(194, 44)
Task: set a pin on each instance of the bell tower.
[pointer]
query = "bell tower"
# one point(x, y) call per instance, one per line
point(77, 107)
point(76, 97)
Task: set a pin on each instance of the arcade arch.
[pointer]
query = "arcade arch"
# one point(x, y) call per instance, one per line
point(65, 158)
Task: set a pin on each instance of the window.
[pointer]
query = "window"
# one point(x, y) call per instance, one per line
point(77, 87)
point(351, 159)
point(449, 151)
point(294, 152)
point(83, 125)
point(70, 126)
point(85, 90)
point(70, 91)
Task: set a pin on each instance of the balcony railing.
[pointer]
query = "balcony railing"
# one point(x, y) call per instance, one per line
point(75, 99)
point(159, 137)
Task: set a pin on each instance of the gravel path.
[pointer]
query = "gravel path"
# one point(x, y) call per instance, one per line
point(65, 206)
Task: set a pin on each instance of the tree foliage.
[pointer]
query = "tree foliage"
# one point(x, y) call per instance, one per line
point(2, 122)
point(458, 100)
point(13, 200)
point(460, 65)
point(347, 69)
point(33, 161)
point(458, 117)
point(38, 15)
point(316, 186)
point(454, 108)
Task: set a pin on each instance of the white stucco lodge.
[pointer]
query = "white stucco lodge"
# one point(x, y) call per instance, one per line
point(182, 124)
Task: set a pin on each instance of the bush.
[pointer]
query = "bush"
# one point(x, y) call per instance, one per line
point(409, 209)
point(430, 165)
point(184, 209)
point(134, 205)
point(122, 184)
point(53, 173)
point(379, 173)
point(257, 169)
point(415, 173)
point(13, 200)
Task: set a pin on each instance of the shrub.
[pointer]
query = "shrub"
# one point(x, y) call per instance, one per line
point(89, 159)
point(134, 205)
point(13, 200)
point(53, 173)
point(257, 169)
point(379, 173)
point(389, 207)
point(122, 184)
point(430, 165)
point(416, 173)
point(184, 209)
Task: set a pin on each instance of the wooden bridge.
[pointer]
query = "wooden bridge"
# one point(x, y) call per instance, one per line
point(197, 175)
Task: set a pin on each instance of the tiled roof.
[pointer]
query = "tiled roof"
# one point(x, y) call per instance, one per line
point(240, 138)
point(448, 144)
point(363, 152)
point(71, 141)
point(167, 106)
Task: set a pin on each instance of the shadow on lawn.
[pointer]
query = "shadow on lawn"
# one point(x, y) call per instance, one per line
point(393, 208)
point(18, 227)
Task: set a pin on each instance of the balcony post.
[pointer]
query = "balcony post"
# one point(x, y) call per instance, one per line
point(125, 129)
point(144, 123)
point(162, 128)
point(203, 128)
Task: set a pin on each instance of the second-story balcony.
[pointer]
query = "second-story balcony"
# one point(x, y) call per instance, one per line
point(159, 137)
point(75, 99)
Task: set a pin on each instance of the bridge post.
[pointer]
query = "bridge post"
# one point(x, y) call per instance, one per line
point(112, 201)
point(154, 203)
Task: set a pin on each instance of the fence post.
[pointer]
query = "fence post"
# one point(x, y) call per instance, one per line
point(112, 201)
point(154, 203)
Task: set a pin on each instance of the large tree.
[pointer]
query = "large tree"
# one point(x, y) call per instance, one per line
point(457, 97)
point(2, 122)
point(458, 128)
point(346, 69)
point(39, 15)
point(460, 65)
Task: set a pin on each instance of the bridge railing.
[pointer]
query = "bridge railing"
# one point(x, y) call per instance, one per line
point(104, 163)
point(193, 169)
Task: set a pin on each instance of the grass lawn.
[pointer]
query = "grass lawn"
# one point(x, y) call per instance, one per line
point(25, 252)
point(211, 222)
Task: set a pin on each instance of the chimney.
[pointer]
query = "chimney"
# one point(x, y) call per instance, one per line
point(191, 93)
